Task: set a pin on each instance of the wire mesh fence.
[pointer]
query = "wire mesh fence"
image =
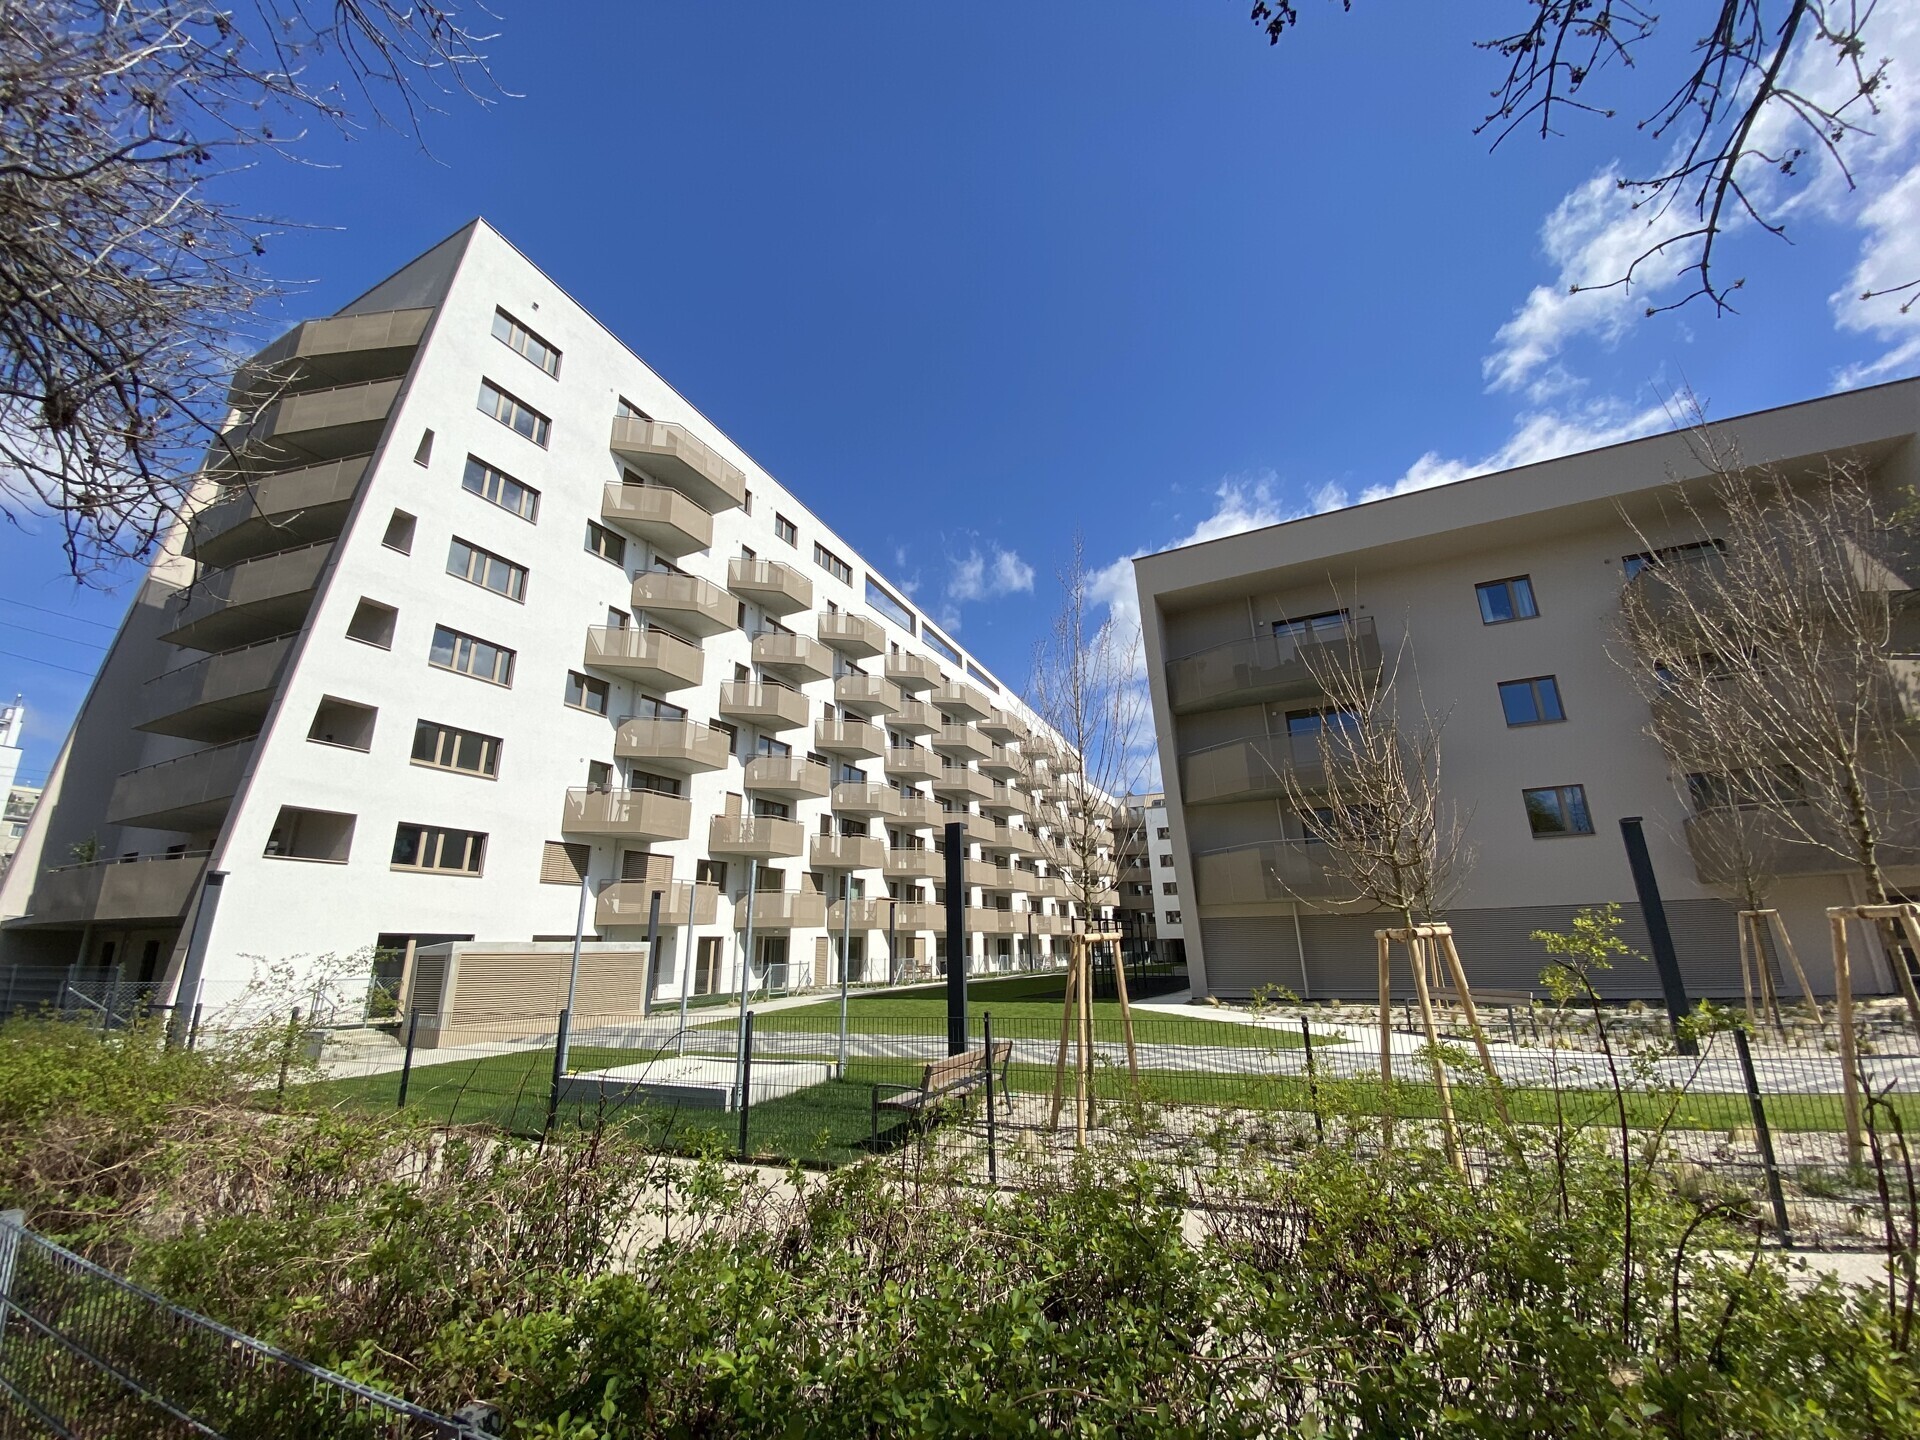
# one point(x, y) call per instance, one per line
point(85, 1354)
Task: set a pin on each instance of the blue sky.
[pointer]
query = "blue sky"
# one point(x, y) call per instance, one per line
point(968, 280)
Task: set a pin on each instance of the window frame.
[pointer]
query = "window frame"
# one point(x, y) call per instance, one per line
point(454, 667)
point(831, 563)
point(785, 530)
point(586, 684)
point(440, 834)
point(1486, 587)
point(540, 430)
point(516, 572)
point(532, 337)
point(1533, 684)
point(596, 529)
point(491, 472)
point(1583, 807)
point(448, 739)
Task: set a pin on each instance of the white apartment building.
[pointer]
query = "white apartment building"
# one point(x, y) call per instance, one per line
point(1168, 919)
point(1501, 597)
point(477, 607)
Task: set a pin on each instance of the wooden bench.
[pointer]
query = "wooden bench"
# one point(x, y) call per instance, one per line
point(955, 1077)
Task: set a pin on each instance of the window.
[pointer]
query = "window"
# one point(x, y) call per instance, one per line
point(1504, 600)
point(1531, 702)
point(564, 862)
point(883, 601)
point(786, 529)
point(1558, 810)
point(584, 693)
point(940, 643)
point(1317, 629)
point(470, 656)
point(832, 564)
point(1173, 917)
point(324, 835)
point(516, 337)
point(1164, 832)
point(501, 489)
point(1743, 789)
point(1671, 555)
point(654, 784)
point(627, 410)
point(516, 415)
point(710, 872)
point(486, 569)
point(1163, 861)
point(399, 534)
point(430, 848)
point(373, 623)
point(423, 452)
point(985, 679)
point(746, 503)
point(1169, 887)
point(608, 546)
point(343, 723)
point(442, 747)
point(1313, 722)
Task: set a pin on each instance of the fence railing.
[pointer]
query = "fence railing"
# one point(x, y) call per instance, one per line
point(89, 1355)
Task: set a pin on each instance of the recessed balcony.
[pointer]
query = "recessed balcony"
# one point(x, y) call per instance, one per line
point(307, 429)
point(1258, 768)
point(961, 701)
point(683, 747)
point(1269, 872)
point(774, 586)
point(649, 657)
point(627, 814)
point(868, 694)
point(1271, 667)
point(192, 792)
point(963, 742)
point(1798, 842)
point(152, 889)
point(755, 837)
point(330, 352)
point(914, 717)
point(664, 518)
point(223, 697)
point(872, 801)
point(768, 706)
point(855, 636)
point(790, 777)
point(682, 902)
point(255, 600)
point(685, 602)
point(908, 863)
point(913, 672)
point(853, 738)
point(261, 517)
point(675, 456)
point(911, 763)
point(783, 910)
point(959, 784)
point(794, 656)
point(846, 852)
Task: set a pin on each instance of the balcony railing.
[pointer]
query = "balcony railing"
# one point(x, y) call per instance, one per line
point(153, 888)
point(921, 810)
point(963, 784)
point(1797, 841)
point(649, 656)
point(667, 520)
point(696, 606)
point(961, 701)
point(868, 914)
point(853, 798)
point(760, 837)
point(676, 456)
point(1271, 667)
point(868, 693)
point(222, 697)
point(846, 852)
point(190, 792)
point(1271, 871)
point(682, 902)
point(907, 863)
point(914, 717)
point(848, 737)
point(256, 599)
point(783, 910)
point(911, 763)
point(963, 742)
point(855, 635)
point(627, 814)
point(1004, 725)
point(684, 746)
point(913, 672)
point(293, 507)
point(332, 351)
point(797, 656)
point(315, 425)
point(771, 707)
point(1251, 769)
point(775, 587)
point(792, 777)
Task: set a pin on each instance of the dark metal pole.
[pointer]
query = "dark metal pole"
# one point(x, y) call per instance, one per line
point(559, 1068)
point(1659, 937)
point(406, 1065)
point(893, 948)
point(653, 952)
point(993, 1163)
point(956, 939)
point(1313, 1081)
point(1763, 1136)
point(187, 991)
point(746, 1077)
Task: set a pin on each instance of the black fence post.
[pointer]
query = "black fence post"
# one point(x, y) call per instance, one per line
point(559, 1069)
point(1762, 1135)
point(286, 1057)
point(746, 1078)
point(1653, 911)
point(193, 1027)
point(1313, 1081)
point(406, 1065)
point(993, 1162)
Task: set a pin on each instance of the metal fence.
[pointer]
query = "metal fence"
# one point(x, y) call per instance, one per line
point(88, 1355)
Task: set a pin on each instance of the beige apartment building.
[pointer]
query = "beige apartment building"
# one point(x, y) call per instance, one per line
point(1500, 597)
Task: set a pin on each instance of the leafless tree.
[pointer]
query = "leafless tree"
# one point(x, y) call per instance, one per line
point(129, 270)
point(1738, 119)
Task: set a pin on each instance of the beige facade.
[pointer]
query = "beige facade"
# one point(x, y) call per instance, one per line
point(1398, 578)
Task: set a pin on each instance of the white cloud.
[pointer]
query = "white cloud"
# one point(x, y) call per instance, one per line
point(976, 576)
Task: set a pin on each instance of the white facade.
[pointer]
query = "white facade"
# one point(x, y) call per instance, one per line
point(300, 885)
point(1169, 921)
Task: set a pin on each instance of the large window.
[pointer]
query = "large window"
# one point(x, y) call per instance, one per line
point(940, 643)
point(446, 852)
point(486, 569)
point(1672, 555)
point(468, 655)
point(885, 602)
point(1330, 717)
point(1531, 702)
point(442, 747)
point(516, 337)
point(832, 564)
point(603, 542)
point(514, 413)
point(501, 489)
point(1318, 629)
point(985, 679)
point(1558, 810)
point(1504, 600)
point(586, 693)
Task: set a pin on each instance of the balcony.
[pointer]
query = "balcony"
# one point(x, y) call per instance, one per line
point(255, 600)
point(855, 636)
point(331, 352)
point(991, 921)
point(959, 784)
point(686, 602)
point(872, 801)
point(1252, 769)
point(627, 814)
point(1049, 887)
point(650, 657)
point(846, 852)
point(913, 672)
point(985, 873)
point(294, 507)
point(189, 793)
point(1269, 667)
point(783, 910)
point(848, 737)
point(911, 764)
point(921, 810)
point(963, 742)
point(664, 518)
point(794, 656)
point(682, 902)
point(770, 707)
point(1003, 764)
point(994, 836)
point(1004, 725)
point(755, 837)
point(914, 717)
point(908, 863)
point(683, 747)
point(912, 916)
point(675, 456)
point(154, 890)
point(867, 693)
point(1799, 842)
point(1270, 872)
point(867, 915)
point(1004, 800)
point(791, 777)
point(961, 701)
point(308, 429)
point(776, 588)
point(220, 698)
